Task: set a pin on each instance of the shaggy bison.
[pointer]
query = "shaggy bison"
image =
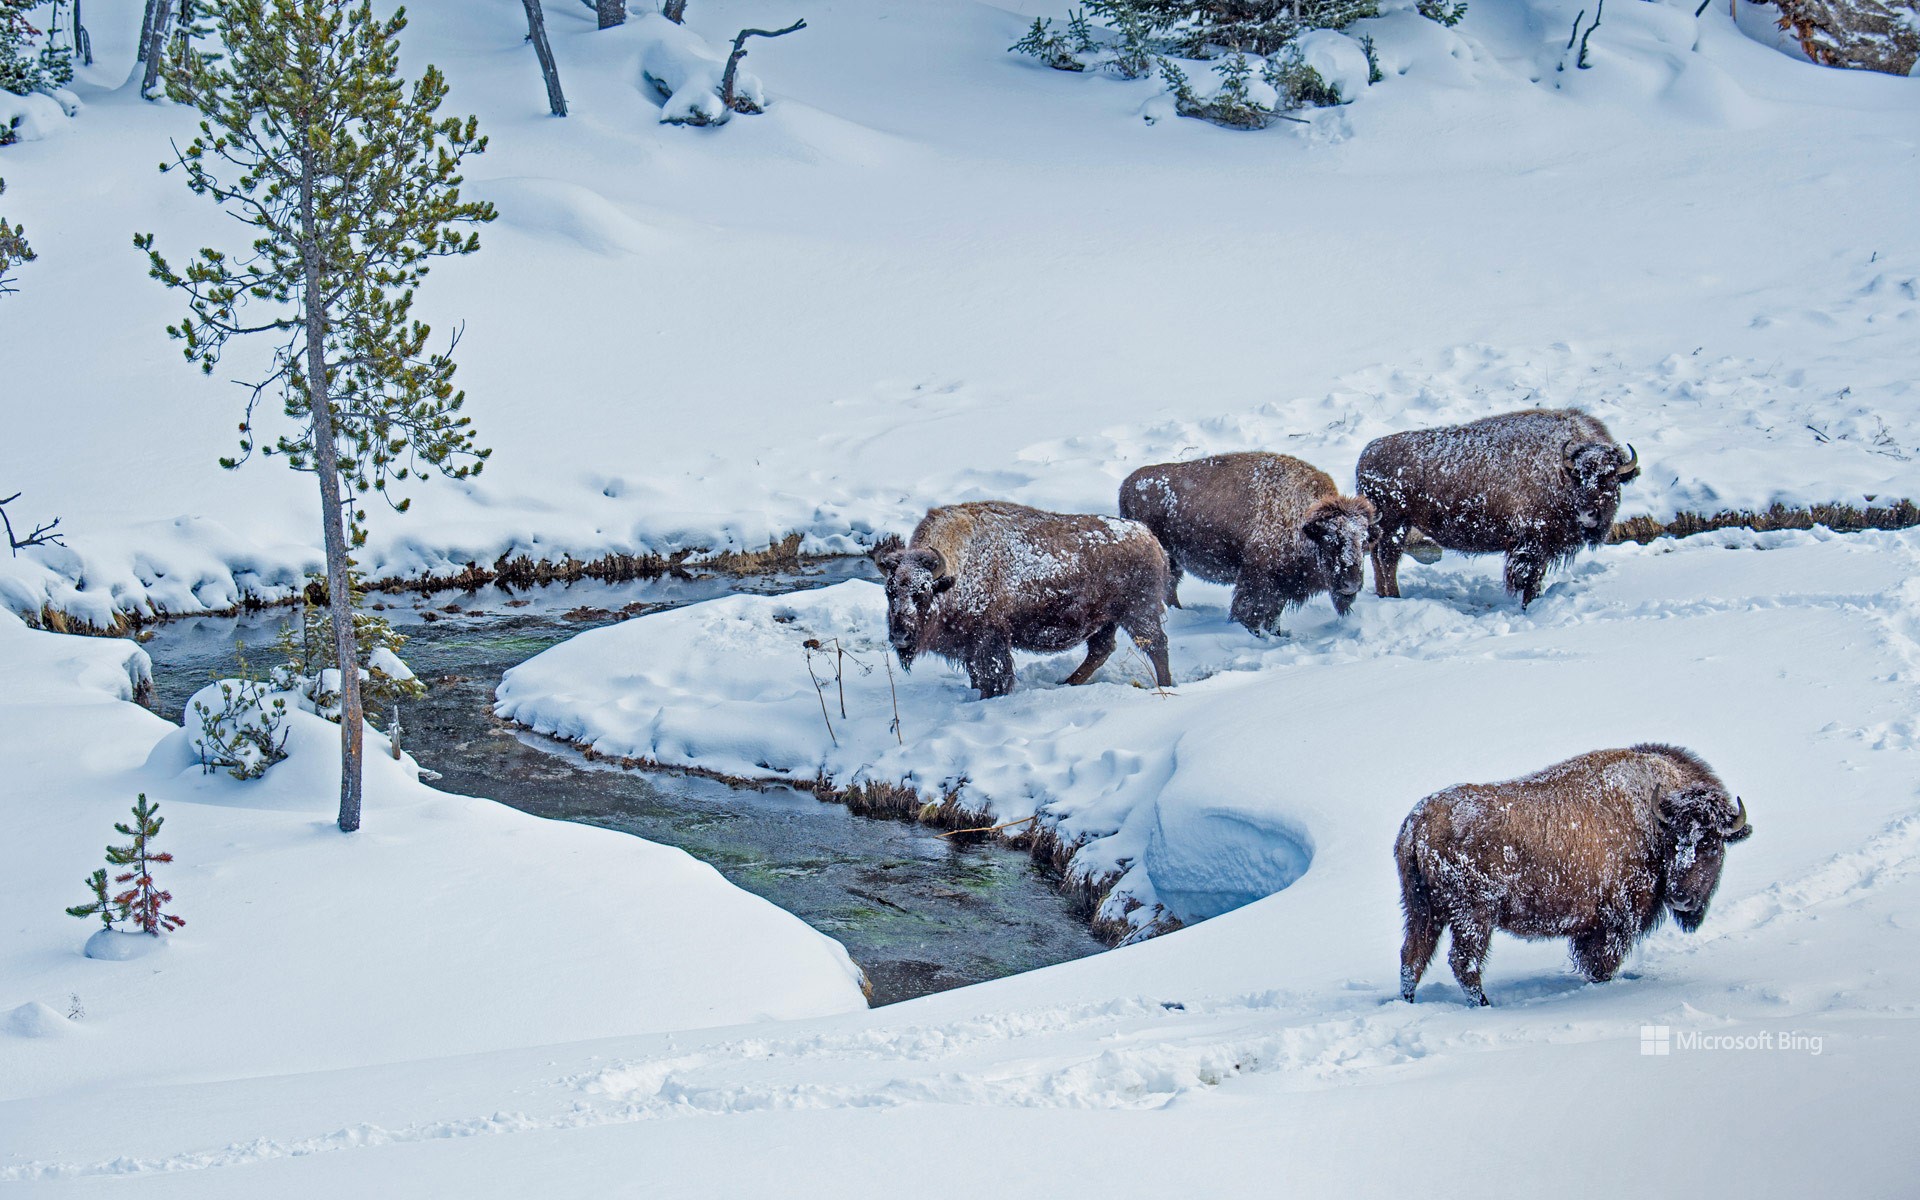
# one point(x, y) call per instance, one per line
point(1534, 485)
point(1274, 527)
point(1594, 849)
point(979, 581)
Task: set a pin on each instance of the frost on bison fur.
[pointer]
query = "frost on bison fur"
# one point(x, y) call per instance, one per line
point(979, 581)
point(1534, 485)
point(1594, 849)
point(1274, 527)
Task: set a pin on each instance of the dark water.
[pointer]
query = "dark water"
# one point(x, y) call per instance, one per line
point(918, 913)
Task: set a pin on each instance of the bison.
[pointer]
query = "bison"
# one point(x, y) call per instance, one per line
point(979, 581)
point(1274, 527)
point(1594, 849)
point(1534, 485)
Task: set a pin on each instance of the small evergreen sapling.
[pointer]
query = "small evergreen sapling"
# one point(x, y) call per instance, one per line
point(103, 905)
point(143, 900)
point(245, 732)
point(1448, 14)
point(13, 241)
point(1043, 43)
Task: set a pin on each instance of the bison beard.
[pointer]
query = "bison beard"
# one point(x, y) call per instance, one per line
point(1594, 849)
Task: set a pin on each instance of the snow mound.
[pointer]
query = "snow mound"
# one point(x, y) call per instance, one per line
point(685, 73)
point(36, 1020)
point(122, 945)
point(554, 208)
point(1339, 59)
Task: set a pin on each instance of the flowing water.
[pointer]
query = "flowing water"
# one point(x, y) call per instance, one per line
point(919, 913)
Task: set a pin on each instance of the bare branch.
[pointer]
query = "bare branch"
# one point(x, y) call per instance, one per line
point(727, 98)
point(42, 535)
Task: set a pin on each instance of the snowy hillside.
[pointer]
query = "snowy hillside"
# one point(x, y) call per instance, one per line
point(935, 271)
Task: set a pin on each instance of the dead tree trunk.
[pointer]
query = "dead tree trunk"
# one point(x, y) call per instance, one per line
point(82, 40)
point(549, 70)
point(611, 12)
point(156, 42)
point(675, 11)
point(727, 98)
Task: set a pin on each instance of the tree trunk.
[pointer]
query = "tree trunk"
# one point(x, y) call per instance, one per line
point(82, 40)
point(675, 11)
point(537, 31)
point(332, 518)
point(156, 40)
point(146, 29)
point(611, 12)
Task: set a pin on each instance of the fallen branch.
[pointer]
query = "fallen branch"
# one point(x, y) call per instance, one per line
point(42, 535)
point(991, 828)
point(727, 98)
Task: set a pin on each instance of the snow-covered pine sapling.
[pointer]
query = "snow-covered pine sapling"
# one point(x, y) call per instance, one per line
point(245, 732)
point(1299, 85)
point(1448, 14)
point(348, 180)
point(13, 239)
point(103, 905)
point(1079, 33)
point(1374, 73)
point(1233, 105)
point(1179, 87)
point(1133, 53)
point(1043, 43)
point(143, 897)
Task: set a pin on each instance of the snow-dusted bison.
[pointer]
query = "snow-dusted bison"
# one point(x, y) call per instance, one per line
point(979, 581)
point(1594, 849)
point(1533, 485)
point(1274, 527)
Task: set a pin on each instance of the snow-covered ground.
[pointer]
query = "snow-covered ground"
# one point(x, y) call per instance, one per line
point(937, 271)
point(933, 271)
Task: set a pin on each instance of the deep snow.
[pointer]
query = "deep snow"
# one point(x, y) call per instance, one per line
point(931, 272)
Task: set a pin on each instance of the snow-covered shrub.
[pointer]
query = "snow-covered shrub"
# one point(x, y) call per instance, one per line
point(1245, 100)
point(1043, 43)
point(1448, 14)
point(1207, 28)
point(240, 726)
point(26, 66)
point(306, 669)
point(697, 84)
point(13, 250)
point(1298, 83)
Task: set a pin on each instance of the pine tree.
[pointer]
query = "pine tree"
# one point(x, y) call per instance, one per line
point(351, 185)
point(22, 69)
point(13, 246)
point(104, 906)
point(141, 903)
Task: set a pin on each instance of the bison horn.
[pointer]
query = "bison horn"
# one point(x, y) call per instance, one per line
point(1740, 817)
point(1631, 467)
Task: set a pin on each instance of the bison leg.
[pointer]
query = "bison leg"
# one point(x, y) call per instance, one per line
point(1526, 568)
point(1174, 574)
point(1099, 648)
point(1598, 954)
point(1423, 929)
point(990, 666)
point(1386, 562)
point(1255, 607)
point(1471, 935)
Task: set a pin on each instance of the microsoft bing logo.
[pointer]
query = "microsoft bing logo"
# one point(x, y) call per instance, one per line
point(1656, 1039)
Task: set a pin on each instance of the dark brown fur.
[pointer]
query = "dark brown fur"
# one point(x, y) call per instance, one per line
point(1274, 527)
point(1534, 485)
point(1595, 849)
point(979, 581)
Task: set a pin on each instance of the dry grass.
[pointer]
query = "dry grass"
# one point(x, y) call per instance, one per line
point(1842, 518)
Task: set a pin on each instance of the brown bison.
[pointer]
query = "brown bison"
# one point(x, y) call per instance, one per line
point(979, 581)
point(1534, 485)
point(1274, 527)
point(1594, 849)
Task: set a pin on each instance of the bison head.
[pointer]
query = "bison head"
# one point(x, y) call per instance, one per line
point(1702, 821)
point(913, 578)
point(1596, 470)
point(1339, 534)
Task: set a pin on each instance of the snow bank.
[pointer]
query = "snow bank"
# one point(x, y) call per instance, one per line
point(446, 926)
point(1266, 752)
point(686, 72)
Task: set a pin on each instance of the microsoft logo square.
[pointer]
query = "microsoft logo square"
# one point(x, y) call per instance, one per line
point(1656, 1039)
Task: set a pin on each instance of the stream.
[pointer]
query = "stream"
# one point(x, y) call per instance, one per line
point(918, 912)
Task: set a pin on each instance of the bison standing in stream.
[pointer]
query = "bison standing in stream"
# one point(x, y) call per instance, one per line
point(1274, 527)
point(1595, 849)
point(979, 581)
point(1534, 485)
